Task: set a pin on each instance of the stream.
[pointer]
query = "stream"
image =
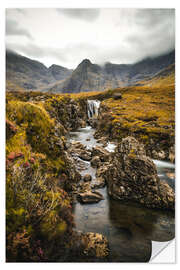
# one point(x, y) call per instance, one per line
point(135, 233)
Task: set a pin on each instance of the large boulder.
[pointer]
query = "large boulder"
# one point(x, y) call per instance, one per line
point(96, 162)
point(102, 153)
point(97, 245)
point(131, 175)
point(90, 197)
point(76, 149)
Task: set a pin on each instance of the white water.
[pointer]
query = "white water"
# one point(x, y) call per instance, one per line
point(92, 108)
point(163, 164)
point(110, 147)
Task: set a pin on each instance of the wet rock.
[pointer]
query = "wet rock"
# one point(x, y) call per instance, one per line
point(85, 155)
point(88, 247)
point(99, 183)
point(102, 140)
point(100, 152)
point(71, 172)
point(95, 162)
point(96, 245)
point(131, 175)
point(117, 96)
point(84, 187)
point(159, 155)
point(87, 178)
point(79, 150)
point(90, 197)
point(93, 123)
point(82, 123)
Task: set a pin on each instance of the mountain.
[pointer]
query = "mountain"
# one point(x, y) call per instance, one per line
point(91, 77)
point(59, 72)
point(30, 74)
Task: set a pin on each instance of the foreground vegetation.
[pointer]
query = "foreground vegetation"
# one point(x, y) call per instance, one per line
point(39, 175)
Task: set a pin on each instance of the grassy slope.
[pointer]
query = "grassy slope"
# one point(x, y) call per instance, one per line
point(38, 209)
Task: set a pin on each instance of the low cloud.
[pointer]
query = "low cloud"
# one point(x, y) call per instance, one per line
point(88, 15)
point(13, 29)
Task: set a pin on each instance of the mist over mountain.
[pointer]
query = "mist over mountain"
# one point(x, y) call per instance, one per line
point(33, 75)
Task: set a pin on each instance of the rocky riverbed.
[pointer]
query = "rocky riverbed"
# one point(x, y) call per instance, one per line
point(129, 227)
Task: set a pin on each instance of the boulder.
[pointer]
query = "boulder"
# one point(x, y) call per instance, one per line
point(96, 245)
point(77, 149)
point(85, 155)
point(99, 183)
point(90, 197)
point(131, 175)
point(117, 96)
point(102, 153)
point(95, 162)
point(87, 178)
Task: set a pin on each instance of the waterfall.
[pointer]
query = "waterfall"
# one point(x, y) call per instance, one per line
point(92, 108)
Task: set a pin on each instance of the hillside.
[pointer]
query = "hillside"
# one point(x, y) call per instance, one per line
point(89, 77)
point(22, 72)
point(30, 74)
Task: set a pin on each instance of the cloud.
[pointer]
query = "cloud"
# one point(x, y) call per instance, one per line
point(119, 36)
point(13, 29)
point(36, 51)
point(88, 15)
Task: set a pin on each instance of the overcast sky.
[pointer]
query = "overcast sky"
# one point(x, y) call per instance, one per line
point(67, 36)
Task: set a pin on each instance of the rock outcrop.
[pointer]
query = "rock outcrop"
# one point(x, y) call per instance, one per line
point(131, 175)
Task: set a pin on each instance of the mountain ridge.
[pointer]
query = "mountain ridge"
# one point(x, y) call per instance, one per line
point(33, 75)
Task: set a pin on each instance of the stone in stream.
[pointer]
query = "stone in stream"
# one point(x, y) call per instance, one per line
point(102, 153)
point(90, 197)
point(85, 155)
point(131, 175)
point(87, 177)
point(95, 162)
point(97, 245)
point(99, 183)
point(77, 149)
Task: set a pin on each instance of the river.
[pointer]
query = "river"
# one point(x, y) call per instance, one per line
point(135, 233)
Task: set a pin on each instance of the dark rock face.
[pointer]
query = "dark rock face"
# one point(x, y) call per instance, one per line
point(88, 76)
point(131, 175)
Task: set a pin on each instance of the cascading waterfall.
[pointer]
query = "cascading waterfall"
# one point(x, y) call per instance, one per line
point(92, 108)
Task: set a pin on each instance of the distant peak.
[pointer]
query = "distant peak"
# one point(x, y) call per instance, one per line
point(86, 62)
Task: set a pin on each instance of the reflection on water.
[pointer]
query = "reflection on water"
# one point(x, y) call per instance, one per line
point(130, 229)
